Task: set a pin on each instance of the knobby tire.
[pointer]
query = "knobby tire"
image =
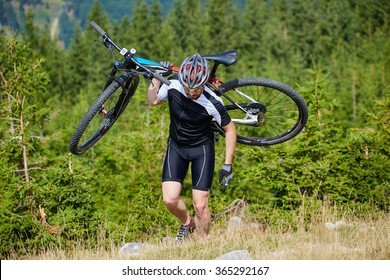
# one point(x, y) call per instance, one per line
point(103, 113)
point(282, 112)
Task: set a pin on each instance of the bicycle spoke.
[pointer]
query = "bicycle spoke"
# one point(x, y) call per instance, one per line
point(276, 112)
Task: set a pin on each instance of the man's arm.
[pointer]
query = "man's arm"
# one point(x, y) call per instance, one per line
point(152, 98)
point(230, 142)
point(226, 174)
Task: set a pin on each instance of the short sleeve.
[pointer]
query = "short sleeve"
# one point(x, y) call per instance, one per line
point(163, 92)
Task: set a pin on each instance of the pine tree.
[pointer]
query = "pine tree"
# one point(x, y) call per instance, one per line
point(76, 71)
point(220, 27)
point(41, 197)
point(253, 46)
point(303, 26)
point(172, 34)
point(98, 60)
point(22, 79)
point(124, 32)
point(42, 45)
point(140, 28)
point(194, 30)
point(155, 23)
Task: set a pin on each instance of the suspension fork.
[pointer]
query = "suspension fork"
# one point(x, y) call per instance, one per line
point(112, 76)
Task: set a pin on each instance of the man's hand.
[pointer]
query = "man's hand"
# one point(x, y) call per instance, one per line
point(167, 71)
point(226, 175)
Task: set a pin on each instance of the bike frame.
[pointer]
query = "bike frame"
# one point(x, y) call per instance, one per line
point(134, 63)
point(248, 119)
point(213, 82)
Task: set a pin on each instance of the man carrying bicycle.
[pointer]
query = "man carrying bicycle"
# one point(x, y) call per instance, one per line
point(192, 107)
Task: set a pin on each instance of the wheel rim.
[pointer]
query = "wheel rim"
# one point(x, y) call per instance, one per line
point(277, 114)
point(103, 119)
point(97, 127)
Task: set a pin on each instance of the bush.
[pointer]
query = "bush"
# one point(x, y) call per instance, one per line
point(324, 163)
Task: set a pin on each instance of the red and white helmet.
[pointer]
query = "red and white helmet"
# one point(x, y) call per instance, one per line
point(194, 72)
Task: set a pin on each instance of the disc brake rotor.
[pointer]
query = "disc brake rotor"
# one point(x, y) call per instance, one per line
point(259, 110)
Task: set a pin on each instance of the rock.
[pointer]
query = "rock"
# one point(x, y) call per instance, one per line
point(131, 249)
point(330, 226)
point(235, 223)
point(169, 240)
point(254, 226)
point(236, 255)
point(339, 224)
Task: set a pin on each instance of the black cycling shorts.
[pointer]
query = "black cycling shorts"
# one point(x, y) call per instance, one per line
point(177, 160)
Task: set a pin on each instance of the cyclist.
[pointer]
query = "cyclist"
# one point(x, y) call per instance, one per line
point(192, 107)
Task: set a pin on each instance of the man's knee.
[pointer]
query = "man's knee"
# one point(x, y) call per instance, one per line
point(171, 194)
point(171, 203)
point(201, 208)
point(200, 202)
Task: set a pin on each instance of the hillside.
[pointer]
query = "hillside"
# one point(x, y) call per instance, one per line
point(333, 53)
point(60, 16)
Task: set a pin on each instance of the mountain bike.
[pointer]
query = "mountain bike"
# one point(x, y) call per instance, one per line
point(265, 112)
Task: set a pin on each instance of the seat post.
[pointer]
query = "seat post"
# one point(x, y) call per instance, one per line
point(214, 69)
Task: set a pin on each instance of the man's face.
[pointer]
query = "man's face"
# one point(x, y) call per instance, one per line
point(193, 93)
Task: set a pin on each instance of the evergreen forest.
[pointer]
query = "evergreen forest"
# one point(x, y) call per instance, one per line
point(336, 54)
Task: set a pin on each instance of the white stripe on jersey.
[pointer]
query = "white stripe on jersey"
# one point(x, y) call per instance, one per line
point(202, 100)
point(209, 106)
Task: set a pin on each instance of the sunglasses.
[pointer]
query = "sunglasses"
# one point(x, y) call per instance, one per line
point(194, 90)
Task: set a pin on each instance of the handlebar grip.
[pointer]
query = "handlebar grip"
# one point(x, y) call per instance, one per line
point(162, 79)
point(97, 28)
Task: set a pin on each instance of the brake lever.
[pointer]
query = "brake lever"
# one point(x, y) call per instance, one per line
point(105, 43)
point(108, 44)
point(148, 75)
point(100, 41)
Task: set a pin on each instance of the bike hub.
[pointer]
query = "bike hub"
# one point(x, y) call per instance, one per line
point(259, 110)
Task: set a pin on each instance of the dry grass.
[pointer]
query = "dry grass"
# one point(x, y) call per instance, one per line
point(354, 240)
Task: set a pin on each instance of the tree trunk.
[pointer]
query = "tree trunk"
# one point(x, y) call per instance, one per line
point(24, 146)
point(354, 95)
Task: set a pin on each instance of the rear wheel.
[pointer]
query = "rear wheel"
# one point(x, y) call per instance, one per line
point(274, 112)
point(103, 113)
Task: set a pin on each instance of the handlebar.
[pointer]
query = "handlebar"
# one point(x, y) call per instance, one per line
point(162, 79)
point(130, 54)
point(97, 28)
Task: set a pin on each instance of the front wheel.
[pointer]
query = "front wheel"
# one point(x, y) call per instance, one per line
point(103, 113)
point(265, 112)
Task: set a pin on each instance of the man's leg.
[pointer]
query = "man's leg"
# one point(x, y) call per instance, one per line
point(171, 196)
point(202, 212)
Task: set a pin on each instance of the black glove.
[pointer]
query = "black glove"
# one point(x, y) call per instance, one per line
point(167, 69)
point(226, 175)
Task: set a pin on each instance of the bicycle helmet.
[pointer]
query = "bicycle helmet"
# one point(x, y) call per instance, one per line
point(194, 72)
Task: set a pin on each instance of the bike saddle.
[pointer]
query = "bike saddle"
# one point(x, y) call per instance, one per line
point(227, 58)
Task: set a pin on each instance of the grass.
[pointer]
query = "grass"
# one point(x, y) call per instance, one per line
point(354, 239)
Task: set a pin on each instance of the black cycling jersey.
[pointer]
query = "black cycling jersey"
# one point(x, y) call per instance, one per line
point(191, 119)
